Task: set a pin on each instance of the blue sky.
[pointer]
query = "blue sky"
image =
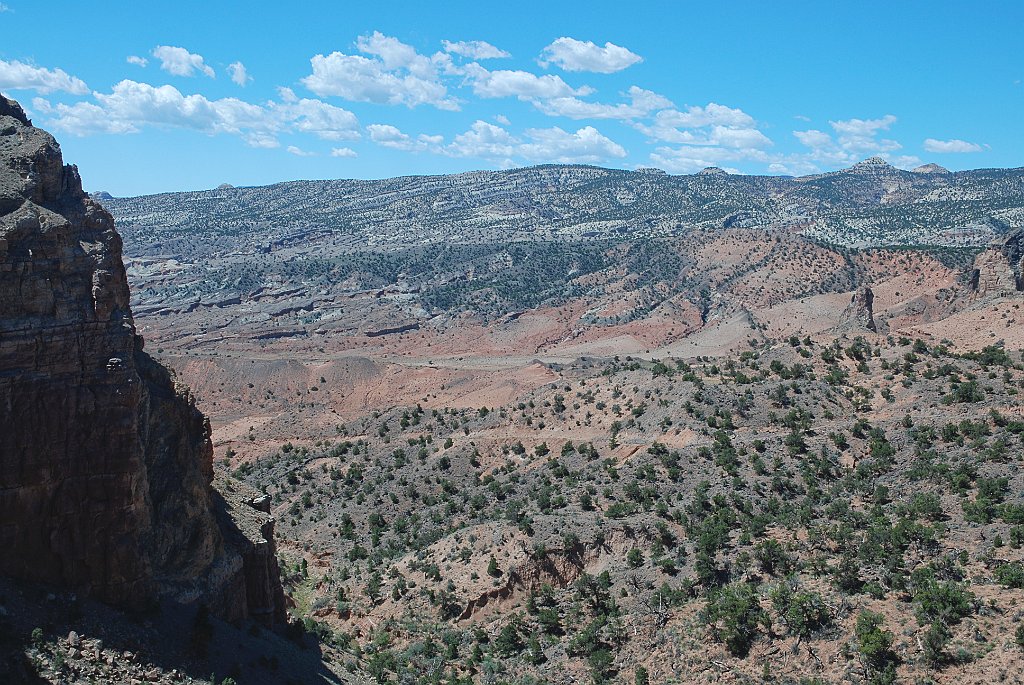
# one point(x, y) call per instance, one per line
point(150, 97)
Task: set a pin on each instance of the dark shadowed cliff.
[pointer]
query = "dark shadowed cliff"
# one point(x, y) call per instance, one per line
point(105, 462)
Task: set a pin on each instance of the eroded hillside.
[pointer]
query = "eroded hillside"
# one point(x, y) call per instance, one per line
point(815, 509)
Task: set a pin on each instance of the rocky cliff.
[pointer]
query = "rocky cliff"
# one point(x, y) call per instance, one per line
point(999, 269)
point(105, 462)
point(860, 313)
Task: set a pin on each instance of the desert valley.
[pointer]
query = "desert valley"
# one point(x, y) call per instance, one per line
point(550, 422)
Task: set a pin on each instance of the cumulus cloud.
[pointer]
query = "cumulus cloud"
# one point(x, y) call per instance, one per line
point(577, 55)
point(343, 152)
point(851, 141)
point(587, 145)
point(40, 106)
point(861, 135)
point(394, 74)
point(299, 152)
point(689, 159)
point(484, 140)
point(390, 136)
point(180, 62)
point(813, 138)
point(474, 49)
point(521, 84)
point(132, 106)
point(20, 76)
point(317, 117)
point(954, 145)
point(709, 135)
point(386, 134)
point(555, 145)
point(395, 54)
point(676, 126)
point(137, 61)
point(863, 127)
point(641, 104)
point(239, 74)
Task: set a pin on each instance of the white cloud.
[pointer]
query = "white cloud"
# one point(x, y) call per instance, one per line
point(390, 136)
point(855, 139)
point(395, 74)
point(41, 105)
point(487, 141)
point(905, 161)
point(642, 104)
point(553, 145)
point(587, 145)
point(740, 138)
point(672, 125)
point(863, 127)
point(859, 136)
point(137, 61)
point(132, 106)
point(364, 80)
point(319, 118)
point(299, 152)
point(954, 145)
point(386, 134)
point(484, 140)
point(521, 84)
point(180, 62)
point(712, 135)
point(395, 54)
point(474, 49)
point(792, 166)
point(286, 94)
point(262, 140)
point(814, 138)
point(576, 55)
point(20, 76)
point(852, 140)
point(5, 8)
point(239, 74)
point(343, 152)
point(689, 159)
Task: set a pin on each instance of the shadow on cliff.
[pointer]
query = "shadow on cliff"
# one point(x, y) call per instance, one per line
point(36, 624)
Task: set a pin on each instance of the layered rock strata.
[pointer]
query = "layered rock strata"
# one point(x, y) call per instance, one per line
point(105, 461)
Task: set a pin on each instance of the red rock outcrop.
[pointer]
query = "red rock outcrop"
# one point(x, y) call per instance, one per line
point(105, 462)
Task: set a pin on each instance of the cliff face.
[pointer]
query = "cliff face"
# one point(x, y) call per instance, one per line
point(999, 269)
point(105, 462)
point(860, 313)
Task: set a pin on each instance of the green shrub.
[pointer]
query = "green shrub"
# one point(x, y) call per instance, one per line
point(807, 614)
point(1010, 575)
point(936, 600)
point(875, 645)
point(734, 615)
